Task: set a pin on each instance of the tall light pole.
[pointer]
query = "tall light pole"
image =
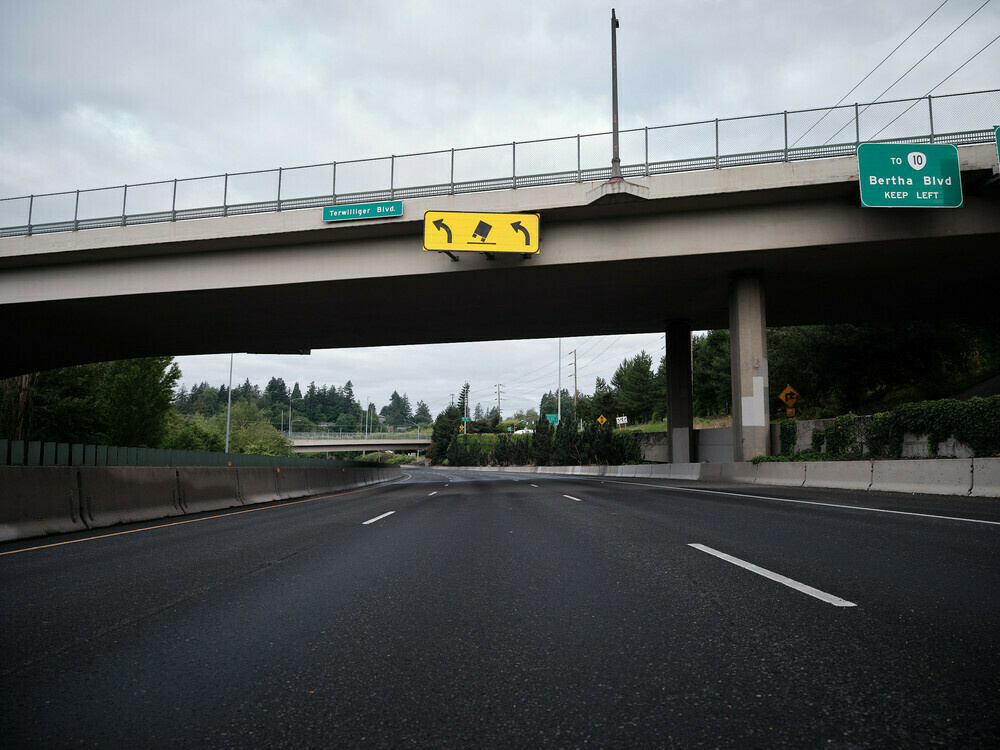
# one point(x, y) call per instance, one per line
point(616, 162)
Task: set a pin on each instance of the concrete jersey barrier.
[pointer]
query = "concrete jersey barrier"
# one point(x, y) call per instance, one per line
point(128, 494)
point(38, 500)
point(940, 476)
point(204, 488)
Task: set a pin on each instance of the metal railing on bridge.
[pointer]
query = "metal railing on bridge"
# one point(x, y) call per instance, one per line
point(962, 119)
point(370, 436)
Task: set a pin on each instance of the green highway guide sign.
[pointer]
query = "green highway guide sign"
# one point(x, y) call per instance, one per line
point(357, 211)
point(901, 175)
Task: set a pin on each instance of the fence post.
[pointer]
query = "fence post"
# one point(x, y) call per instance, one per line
point(392, 177)
point(76, 212)
point(716, 142)
point(279, 188)
point(31, 206)
point(333, 195)
point(124, 200)
point(173, 203)
point(646, 128)
point(225, 195)
point(579, 172)
point(513, 164)
point(930, 114)
point(451, 180)
point(857, 126)
point(786, 135)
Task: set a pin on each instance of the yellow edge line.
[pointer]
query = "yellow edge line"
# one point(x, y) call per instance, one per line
point(264, 506)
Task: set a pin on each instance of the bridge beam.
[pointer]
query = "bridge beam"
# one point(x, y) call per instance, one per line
point(748, 364)
point(679, 396)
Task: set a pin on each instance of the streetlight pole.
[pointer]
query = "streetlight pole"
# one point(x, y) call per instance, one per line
point(616, 162)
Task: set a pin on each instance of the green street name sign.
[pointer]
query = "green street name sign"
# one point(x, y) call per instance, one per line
point(900, 175)
point(356, 211)
point(996, 134)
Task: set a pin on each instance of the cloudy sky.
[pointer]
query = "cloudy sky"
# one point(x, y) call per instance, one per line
point(106, 92)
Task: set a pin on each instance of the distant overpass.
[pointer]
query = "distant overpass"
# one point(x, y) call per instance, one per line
point(359, 442)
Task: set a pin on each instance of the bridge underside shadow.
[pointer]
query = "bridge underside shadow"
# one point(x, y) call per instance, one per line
point(889, 281)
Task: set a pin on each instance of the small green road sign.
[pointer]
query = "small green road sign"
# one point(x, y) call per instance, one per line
point(358, 211)
point(553, 418)
point(465, 419)
point(901, 175)
point(996, 134)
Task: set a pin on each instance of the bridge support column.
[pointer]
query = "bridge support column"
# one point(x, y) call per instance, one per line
point(679, 408)
point(748, 364)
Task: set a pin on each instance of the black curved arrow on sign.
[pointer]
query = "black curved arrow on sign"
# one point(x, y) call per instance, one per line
point(518, 227)
point(441, 225)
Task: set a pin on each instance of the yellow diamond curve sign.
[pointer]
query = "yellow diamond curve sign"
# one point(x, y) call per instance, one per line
point(477, 232)
point(789, 396)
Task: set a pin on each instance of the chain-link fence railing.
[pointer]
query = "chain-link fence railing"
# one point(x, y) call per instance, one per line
point(962, 119)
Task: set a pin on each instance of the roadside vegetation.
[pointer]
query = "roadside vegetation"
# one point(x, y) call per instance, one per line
point(838, 370)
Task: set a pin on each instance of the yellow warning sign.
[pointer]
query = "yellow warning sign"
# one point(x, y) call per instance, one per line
point(602, 419)
point(789, 396)
point(462, 231)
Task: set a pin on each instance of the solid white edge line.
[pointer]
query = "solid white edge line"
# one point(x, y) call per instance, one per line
point(836, 601)
point(377, 518)
point(573, 498)
point(801, 502)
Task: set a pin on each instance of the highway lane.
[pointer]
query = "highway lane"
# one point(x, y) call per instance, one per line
point(459, 608)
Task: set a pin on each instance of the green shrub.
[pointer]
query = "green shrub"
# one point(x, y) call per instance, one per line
point(788, 432)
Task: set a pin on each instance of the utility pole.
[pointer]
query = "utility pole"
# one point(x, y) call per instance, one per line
point(453, 399)
point(574, 385)
point(616, 162)
point(559, 381)
point(499, 413)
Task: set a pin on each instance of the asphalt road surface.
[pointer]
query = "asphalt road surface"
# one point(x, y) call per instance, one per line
point(486, 610)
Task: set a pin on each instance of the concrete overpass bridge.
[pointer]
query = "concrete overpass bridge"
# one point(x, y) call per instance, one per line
point(358, 442)
point(739, 247)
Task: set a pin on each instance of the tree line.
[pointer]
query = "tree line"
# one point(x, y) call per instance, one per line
point(836, 369)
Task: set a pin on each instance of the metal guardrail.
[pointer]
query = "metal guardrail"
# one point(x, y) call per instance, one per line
point(962, 119)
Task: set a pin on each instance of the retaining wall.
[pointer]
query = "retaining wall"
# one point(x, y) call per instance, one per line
point(41, 500)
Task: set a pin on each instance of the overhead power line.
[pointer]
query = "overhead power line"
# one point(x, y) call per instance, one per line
point(988, 44)
point(870, 72)
point(935, 47)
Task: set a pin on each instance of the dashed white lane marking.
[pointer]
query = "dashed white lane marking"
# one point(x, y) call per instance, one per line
point(378, 518)
point(573, 498)
point(535, 486)
point(836, 601)
point(433, 493)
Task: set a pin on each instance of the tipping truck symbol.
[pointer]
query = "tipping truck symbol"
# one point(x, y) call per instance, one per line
point(482, 231)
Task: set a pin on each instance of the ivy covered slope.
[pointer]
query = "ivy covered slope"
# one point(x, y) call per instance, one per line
point(975, 422)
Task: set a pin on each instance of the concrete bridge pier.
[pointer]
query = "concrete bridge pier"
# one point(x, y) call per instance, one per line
point(748, 364)
point(679, 394)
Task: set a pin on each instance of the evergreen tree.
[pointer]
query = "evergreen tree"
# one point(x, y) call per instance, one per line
point(633, 384)
point(542, 442)
point(423, 413)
